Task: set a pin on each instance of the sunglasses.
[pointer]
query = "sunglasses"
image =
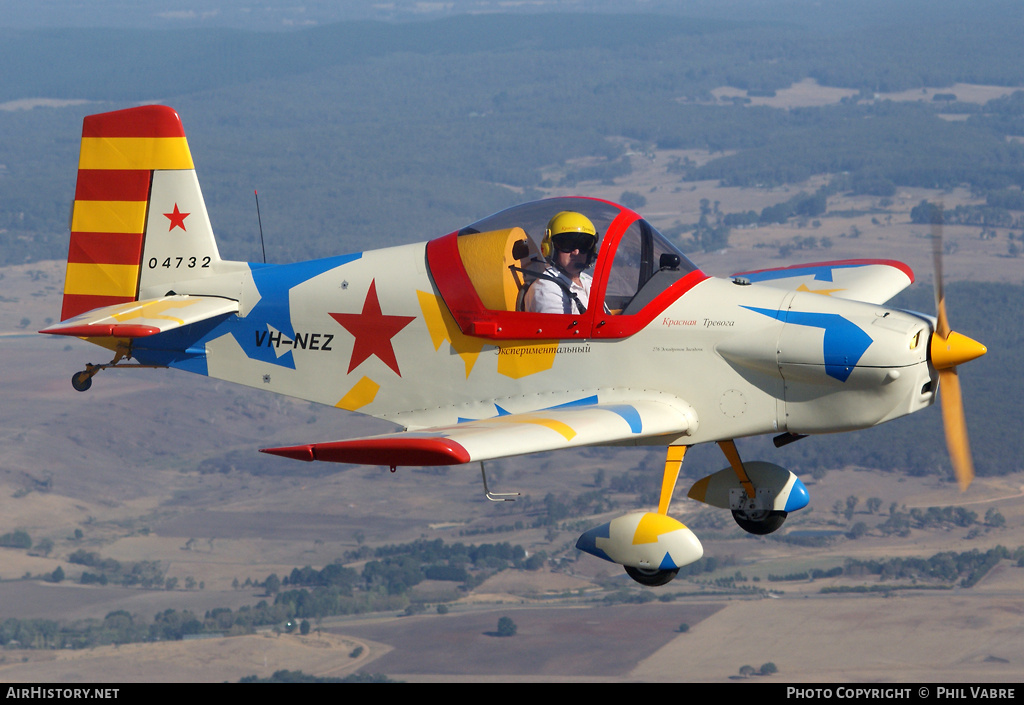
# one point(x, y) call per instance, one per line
point(573, 241)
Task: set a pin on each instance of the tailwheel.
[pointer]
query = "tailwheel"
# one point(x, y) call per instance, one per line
point(759, 522)
point(81, 381)
point(651, 577)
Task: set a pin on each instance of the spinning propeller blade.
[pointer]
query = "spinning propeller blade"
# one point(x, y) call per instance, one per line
point(949, 349)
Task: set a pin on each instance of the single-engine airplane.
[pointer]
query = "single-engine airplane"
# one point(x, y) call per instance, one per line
point(435, 338)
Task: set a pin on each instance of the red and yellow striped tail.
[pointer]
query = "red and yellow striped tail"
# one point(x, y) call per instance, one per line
point(120, 152)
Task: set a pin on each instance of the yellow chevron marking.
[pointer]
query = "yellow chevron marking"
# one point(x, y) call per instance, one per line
point(520, 359)
point(652, 526)
point(109, 217)
point(823, 292)
point(362, 393)
point(135, 153)
point(558, 427)
point(101, 279)
point(442, 327)
point(153, 310)
point(515, 360)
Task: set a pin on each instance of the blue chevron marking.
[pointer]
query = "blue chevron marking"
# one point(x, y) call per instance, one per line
point(843, 343)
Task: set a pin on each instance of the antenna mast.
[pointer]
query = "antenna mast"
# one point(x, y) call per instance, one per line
point(260, 221)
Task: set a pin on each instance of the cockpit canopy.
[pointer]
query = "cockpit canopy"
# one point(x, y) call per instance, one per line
point(484, 270)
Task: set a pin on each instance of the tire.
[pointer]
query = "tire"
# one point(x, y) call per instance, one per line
point(649, 577)
point(81, 381)
point(761, 526)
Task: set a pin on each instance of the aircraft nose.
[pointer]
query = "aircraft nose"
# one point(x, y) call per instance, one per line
point(955, 349)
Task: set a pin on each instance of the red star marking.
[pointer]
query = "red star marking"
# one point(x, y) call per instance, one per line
point(177, 218)
point(373, 331)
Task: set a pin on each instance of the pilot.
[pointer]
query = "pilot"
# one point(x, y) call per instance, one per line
point(570, 247)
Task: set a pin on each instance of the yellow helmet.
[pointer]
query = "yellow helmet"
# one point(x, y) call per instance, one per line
point(569, 224)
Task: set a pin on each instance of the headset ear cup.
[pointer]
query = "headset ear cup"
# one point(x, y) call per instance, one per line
point(546, 246)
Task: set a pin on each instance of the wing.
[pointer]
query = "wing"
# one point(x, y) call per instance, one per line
point(871, 280)
point(137, 319)
point(512, 434)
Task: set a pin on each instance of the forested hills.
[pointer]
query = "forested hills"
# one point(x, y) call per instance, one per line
point(362, 134)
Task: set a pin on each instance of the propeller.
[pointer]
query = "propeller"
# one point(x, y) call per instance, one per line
point(949, 349)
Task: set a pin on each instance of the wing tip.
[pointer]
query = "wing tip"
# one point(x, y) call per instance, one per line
point(303, 452)
point(392, 452)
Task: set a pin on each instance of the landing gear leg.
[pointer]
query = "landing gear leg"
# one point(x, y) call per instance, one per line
point(81, 381)
point(652, 577)
point(673, 463)
point(752, 509)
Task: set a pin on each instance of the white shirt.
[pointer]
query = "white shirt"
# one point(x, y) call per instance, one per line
point(545, 296)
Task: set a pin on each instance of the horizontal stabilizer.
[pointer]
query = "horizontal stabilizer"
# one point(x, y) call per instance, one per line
point(873, 281)
point(502, 436)
point(138, 319)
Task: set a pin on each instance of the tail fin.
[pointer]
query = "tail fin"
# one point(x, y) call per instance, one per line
point(139, 222)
